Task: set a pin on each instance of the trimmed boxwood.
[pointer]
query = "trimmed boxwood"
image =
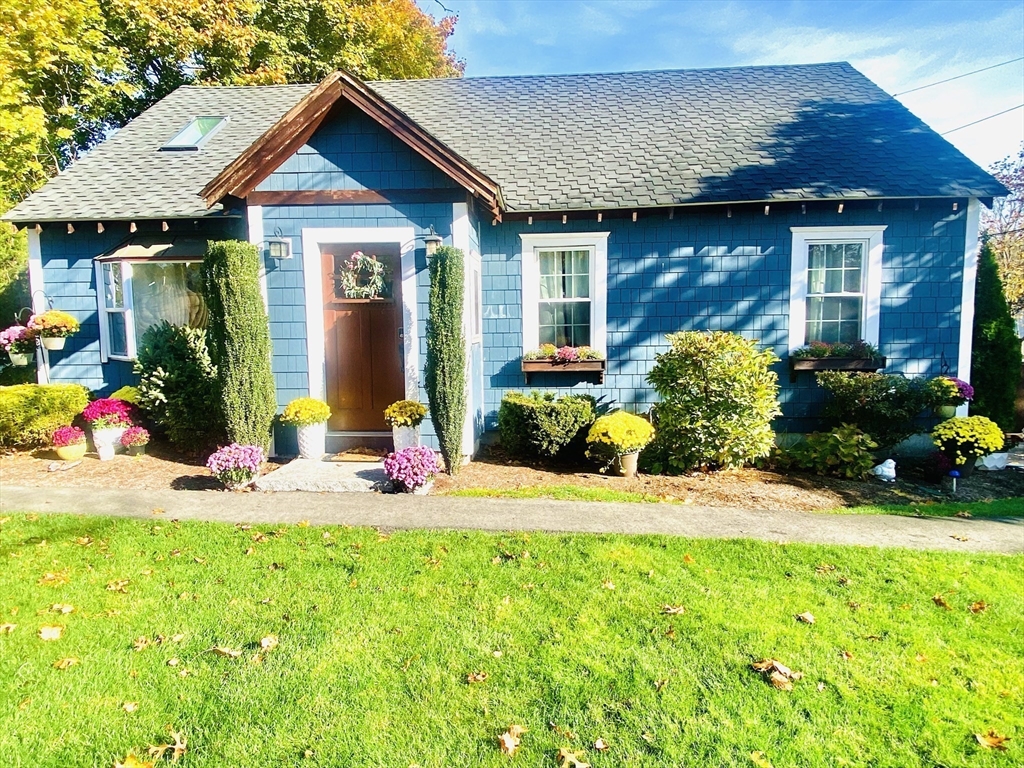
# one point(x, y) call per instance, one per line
point(31, 413)
point(542, 426)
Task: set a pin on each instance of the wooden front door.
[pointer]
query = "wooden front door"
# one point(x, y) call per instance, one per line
point(363, 332)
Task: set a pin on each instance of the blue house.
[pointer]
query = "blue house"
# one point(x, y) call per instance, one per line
point(787, 203)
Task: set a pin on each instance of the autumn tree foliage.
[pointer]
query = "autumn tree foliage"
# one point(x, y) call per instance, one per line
point(1004, 225)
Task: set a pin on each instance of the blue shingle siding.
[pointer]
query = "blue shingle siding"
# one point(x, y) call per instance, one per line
point(70, 284)
point(705, 270)
point(350, 151)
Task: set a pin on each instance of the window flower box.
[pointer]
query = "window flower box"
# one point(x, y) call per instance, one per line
point(556, 366)
point(837, 363)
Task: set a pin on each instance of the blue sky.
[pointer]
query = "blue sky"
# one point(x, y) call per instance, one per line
point(900, 44)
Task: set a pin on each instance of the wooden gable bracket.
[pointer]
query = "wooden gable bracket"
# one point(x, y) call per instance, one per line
point(283, 139)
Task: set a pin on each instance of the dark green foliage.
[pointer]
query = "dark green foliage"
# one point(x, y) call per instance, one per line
point(446, 354)
point(884, 405)
point(542, 426)
point(995, 355)
point(30, 413)
point(718, 398)
point(239, 339)
point(178, 386)
point(844, 452)
point(14, 293)
point(17, 374)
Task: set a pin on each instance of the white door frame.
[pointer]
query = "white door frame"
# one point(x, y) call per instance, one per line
point(312, 273)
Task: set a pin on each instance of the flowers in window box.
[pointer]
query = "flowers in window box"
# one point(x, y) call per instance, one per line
point(236, 466)
point(950, 390)
point(563, 354)
point(405, 413)
point(618, 434)
point(859, 350)
point(66, 436)
point(18, 340)
point(108, 412)
point(305, 412)
point(411, 468)
point(53, 324)
point(968, 437)
point(135, 437)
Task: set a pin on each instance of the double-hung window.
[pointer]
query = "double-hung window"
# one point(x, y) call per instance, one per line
point(835, 284)
point(564, 290)
point(136, 295)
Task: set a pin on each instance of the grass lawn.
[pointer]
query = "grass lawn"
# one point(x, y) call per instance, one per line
point(994, 508)
point(377, 635)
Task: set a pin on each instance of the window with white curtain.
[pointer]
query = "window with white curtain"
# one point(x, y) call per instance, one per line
point(136, 295)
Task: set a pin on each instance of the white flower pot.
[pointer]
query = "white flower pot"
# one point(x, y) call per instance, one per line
point(405, 437)
point(993, 462)
point(19, 359)
point(53, 342)
point(108, 441)
point(313, 441)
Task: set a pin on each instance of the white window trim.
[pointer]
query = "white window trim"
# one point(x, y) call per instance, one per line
point(128, 310)
point(802, 238)
point(532, 243)
point(312, 277)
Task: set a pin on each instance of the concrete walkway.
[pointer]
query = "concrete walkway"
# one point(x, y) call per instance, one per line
point(439, 512)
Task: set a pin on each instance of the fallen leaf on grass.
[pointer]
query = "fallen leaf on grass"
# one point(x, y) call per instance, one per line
point(778, 674)
point(672, 610)
point(565, 733)
point(50, 632)
point(567, 759)
point(130, 706)
point(992, 740)
point(269, 643)
point(806, 617)
point(601, 745)
point(963, 513)
point(608, 584)
point(302, 524)
point(760, 759)
point(6, 629)
point(509, 740)
point(119, 585)
point(940, 601)
point(978, 607)
point(823, 568)
point(177, 749)
point(847, 655)
point(156, 511)
point(54, 579)
point(659, 684)
point(920, 658)
point(225, 652)
point(688, 558)
point(62, 608)
point(64, 663)
point(131, 761)
point(173, 662)
point(476, 677)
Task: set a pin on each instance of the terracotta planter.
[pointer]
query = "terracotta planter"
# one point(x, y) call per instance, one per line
point(405, 437)
point(313, 441)
point(136, 450)
point(627, 464)
point(20, 359)
point(71, 452)
point(53, 343)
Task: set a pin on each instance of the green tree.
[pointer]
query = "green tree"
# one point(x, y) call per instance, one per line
point(238, 337)
point(995, 355)
point(446, 353)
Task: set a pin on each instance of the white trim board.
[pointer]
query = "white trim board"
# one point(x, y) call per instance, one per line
point(254, 218)
point(963, 365)
point(312, 278)
point(598, 283)
point(37, 287)
point(460, 240)
point(802, 236)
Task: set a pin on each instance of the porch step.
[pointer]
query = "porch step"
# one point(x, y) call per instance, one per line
point(325, 476)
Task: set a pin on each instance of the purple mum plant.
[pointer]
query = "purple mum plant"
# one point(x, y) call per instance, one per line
point(411, 468)
point(236, 465)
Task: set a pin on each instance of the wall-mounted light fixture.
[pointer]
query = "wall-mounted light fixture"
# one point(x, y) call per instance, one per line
point(279, 248)
point(432, 241)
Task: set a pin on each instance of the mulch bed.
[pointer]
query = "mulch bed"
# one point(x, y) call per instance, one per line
point(748, 488)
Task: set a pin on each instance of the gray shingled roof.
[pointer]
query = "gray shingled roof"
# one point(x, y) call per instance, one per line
point(127, 176)
point(571, 142)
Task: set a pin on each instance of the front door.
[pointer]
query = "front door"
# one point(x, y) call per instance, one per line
point(363, 332)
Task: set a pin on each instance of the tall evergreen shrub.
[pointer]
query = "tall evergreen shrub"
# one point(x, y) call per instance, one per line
point(239, 340)
point(446, 354)
point(995, 356)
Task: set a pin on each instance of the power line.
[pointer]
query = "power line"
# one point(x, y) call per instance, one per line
point(957, 77)
point(982, 120)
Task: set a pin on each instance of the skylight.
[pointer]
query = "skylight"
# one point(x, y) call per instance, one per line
point(195, 134)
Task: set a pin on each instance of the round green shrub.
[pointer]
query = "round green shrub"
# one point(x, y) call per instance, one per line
point(541, 426)
point(844, 452)
point(31, 413)
point(718, 398)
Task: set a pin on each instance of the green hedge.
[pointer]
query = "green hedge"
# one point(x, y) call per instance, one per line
point(445, 379)
point(541, 426)
point(239, 340)
point(30, 413)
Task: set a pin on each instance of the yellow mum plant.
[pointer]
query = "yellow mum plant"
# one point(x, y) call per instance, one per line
point(617, 434)
point(305, 411)
point(53, 323)
point(405, 413)
point(967, 437)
